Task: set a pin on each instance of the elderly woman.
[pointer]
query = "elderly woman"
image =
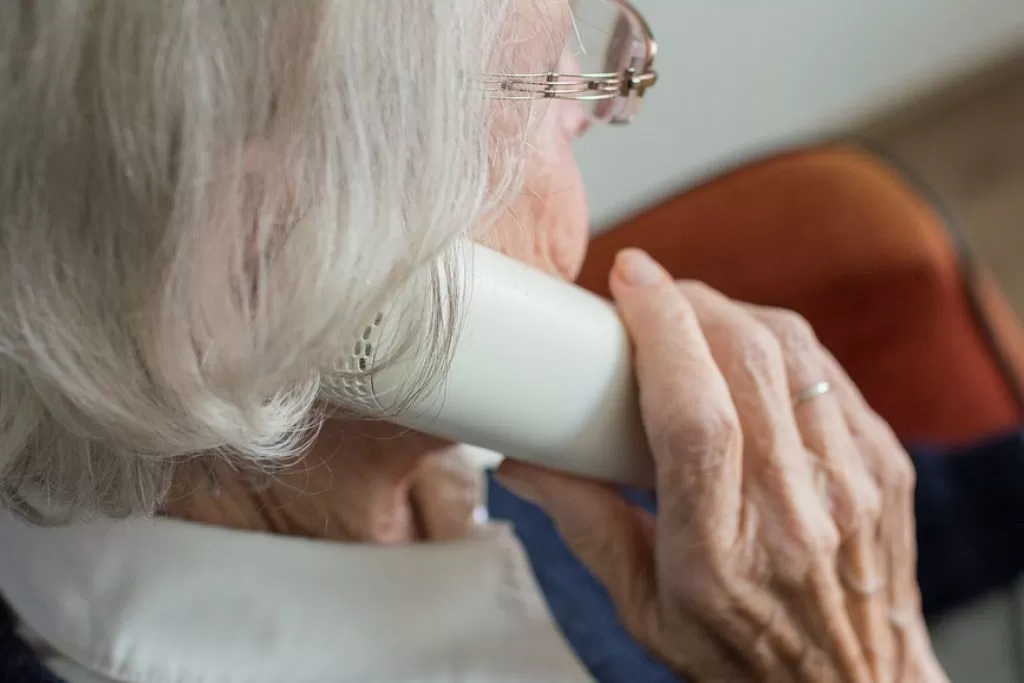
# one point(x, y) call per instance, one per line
point(199, 199)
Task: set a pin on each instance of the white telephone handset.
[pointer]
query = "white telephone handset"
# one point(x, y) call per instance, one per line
point(542, 372)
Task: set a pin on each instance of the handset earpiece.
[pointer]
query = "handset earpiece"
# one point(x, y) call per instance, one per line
point(541, 371)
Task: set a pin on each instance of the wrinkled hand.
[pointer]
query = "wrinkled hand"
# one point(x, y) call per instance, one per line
point(783, 548)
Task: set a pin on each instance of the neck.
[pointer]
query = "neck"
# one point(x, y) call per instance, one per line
point(359, 481)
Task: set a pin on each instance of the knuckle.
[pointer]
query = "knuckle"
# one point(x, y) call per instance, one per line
point(810, 532)
point(895, 469)
point(867, 504)
point(797, 330)
point(822, 536)
point(857, 486)
point(794, 332)
point(853, 504)
point(864, 511)
point(798, 540)
point(879, 432)
point(760, 349)
point(900, 473)
point(710, 427)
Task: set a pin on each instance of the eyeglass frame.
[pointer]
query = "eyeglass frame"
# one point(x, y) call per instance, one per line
point(593, 87)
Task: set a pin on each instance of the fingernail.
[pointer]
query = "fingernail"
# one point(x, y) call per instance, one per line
point(519, 486)
point(638, 269)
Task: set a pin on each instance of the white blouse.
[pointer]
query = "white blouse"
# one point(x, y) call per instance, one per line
point(163, 601)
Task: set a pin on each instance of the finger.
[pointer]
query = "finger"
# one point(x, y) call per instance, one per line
point(688, 414)
point(804, 540)
point(853, 495)
point(697, 443)
point(895, 539)
point(798, 526)
point(890, 466)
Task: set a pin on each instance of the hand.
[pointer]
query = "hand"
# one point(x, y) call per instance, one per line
point(783, 548)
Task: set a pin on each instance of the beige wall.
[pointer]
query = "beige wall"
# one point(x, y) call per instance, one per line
point(739, 75)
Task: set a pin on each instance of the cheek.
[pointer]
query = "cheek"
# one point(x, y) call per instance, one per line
point(566, 221)
point(547, 225)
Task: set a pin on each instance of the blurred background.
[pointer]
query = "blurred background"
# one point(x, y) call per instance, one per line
point(939, 84)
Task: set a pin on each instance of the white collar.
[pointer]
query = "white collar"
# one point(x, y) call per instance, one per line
point(161, 601)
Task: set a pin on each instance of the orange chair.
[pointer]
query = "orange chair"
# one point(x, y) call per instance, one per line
point(841, 236)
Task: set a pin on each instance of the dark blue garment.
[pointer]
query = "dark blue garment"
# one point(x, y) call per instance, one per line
point(970, 529)
point(18, 663)
point(969, 506)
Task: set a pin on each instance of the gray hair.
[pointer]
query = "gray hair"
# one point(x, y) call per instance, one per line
point(200, 200)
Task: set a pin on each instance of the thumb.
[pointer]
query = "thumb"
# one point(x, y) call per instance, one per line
point(611, 537)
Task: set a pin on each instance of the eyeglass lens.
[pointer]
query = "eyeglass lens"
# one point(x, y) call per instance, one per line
point(604, 38)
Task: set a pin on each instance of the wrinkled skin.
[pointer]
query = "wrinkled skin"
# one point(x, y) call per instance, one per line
point(359, 481)
point(783, 549)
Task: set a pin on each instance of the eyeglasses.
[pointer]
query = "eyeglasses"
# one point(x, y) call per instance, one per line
point(612, 50)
